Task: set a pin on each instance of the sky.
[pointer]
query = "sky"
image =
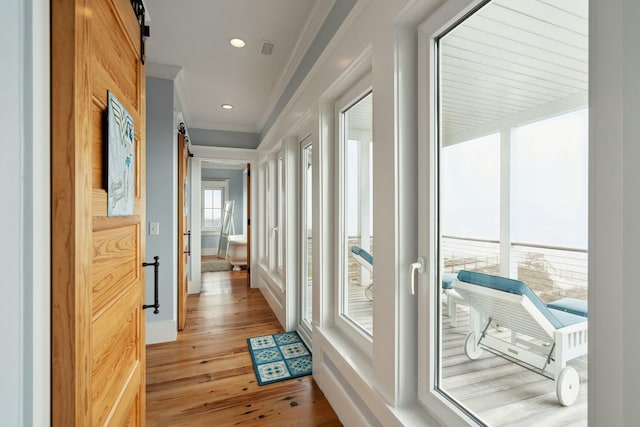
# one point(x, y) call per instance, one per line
point(548, 180)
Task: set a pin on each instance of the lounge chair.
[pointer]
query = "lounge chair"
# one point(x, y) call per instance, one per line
point(542, 339)
point(365, 259)
point(453, 297)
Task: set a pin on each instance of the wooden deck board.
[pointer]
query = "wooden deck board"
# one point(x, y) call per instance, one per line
point(501, 392)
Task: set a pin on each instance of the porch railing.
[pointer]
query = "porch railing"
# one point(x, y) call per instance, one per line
point(552, 272)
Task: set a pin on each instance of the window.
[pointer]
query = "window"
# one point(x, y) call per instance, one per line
point(214, 195)
point(356, 284)
point(274, 215)
point(306, 236)
point(504, 198)
point(280, 195)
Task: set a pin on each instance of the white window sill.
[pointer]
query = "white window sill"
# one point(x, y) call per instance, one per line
point(210, 232)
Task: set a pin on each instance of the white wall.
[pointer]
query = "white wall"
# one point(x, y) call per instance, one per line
point(360, 388)
point(12, 304)
point(614, 241)
point(24, 218)
point(373, 391)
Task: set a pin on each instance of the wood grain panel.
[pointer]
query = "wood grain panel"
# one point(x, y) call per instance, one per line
point(116, 355)
point(128, 412)
point(137, 189)
point(98, 358)
point(127, 23)
point(115, 263)
point(97, 143)
point(70, 215)
point(99, 206)
point(118, 73)
point(183, 229)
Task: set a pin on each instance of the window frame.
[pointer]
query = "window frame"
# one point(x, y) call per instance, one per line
point(429, 32)
point(356, 334)
point(213, 184)
point(305, 323)
point(280, 194)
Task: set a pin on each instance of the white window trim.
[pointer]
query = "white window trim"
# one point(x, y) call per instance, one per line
point(305, 325)
point(275, 233)
point(212, 184)
point(280, 195)
point(428, 284)
point(356, 334)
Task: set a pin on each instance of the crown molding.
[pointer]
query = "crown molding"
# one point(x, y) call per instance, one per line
point(204, 152)
point(174, 73)
point(224, 126)
point(162, 71)
point(180, 87)
point(309, 32)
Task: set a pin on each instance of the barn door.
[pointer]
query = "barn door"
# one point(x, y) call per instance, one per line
point(98, 282)
point(248, 224)
point(184, 234)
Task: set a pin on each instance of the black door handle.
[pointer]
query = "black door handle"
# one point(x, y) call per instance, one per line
point(188, 234)
point(156, 266)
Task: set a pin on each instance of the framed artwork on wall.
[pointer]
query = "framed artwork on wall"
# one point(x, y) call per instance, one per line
point(121, 165)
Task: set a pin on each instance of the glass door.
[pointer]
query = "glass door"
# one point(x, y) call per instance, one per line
point(505, 207)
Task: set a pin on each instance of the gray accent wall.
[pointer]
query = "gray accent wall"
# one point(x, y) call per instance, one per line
point(236, 191)
point(223, 138)
point(161, 195)
point(330, 26)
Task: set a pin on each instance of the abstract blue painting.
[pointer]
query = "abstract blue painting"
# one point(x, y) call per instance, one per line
point(121, 168)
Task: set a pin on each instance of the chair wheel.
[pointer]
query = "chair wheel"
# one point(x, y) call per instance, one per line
point(471, 348)
point(567, 386)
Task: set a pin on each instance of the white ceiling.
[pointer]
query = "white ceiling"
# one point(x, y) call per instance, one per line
point(510, 57)
point(190, 40)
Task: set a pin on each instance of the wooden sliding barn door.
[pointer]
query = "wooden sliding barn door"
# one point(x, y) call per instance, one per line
point(248, 224)
point(183, 231)
point(98, 282)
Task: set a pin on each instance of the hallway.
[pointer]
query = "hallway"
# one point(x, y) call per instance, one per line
point(206, 378)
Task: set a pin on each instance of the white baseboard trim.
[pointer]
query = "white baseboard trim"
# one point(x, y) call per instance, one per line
point(344, 407)
point(209, 251)
point(162, 331)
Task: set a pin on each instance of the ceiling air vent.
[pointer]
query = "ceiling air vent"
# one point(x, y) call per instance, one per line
point(266, 48)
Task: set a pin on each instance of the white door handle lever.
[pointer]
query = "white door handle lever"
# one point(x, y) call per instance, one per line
point(420, 266)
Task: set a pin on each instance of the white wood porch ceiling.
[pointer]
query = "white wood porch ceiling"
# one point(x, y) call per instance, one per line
point(512, 56)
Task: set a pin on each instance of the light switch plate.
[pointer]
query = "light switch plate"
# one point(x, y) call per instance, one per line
point(154, 228)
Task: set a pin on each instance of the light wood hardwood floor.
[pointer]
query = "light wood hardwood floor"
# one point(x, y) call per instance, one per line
point(206, 378)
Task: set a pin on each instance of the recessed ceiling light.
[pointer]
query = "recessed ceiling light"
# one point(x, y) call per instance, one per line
point(227, 106)
point(237, 42)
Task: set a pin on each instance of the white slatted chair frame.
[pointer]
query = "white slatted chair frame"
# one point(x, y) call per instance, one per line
point(555, 347)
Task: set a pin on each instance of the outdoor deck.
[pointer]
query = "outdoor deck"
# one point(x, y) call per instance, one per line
point(499, 391)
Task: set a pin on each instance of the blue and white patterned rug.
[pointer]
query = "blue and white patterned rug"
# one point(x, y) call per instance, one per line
point(279, 357)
